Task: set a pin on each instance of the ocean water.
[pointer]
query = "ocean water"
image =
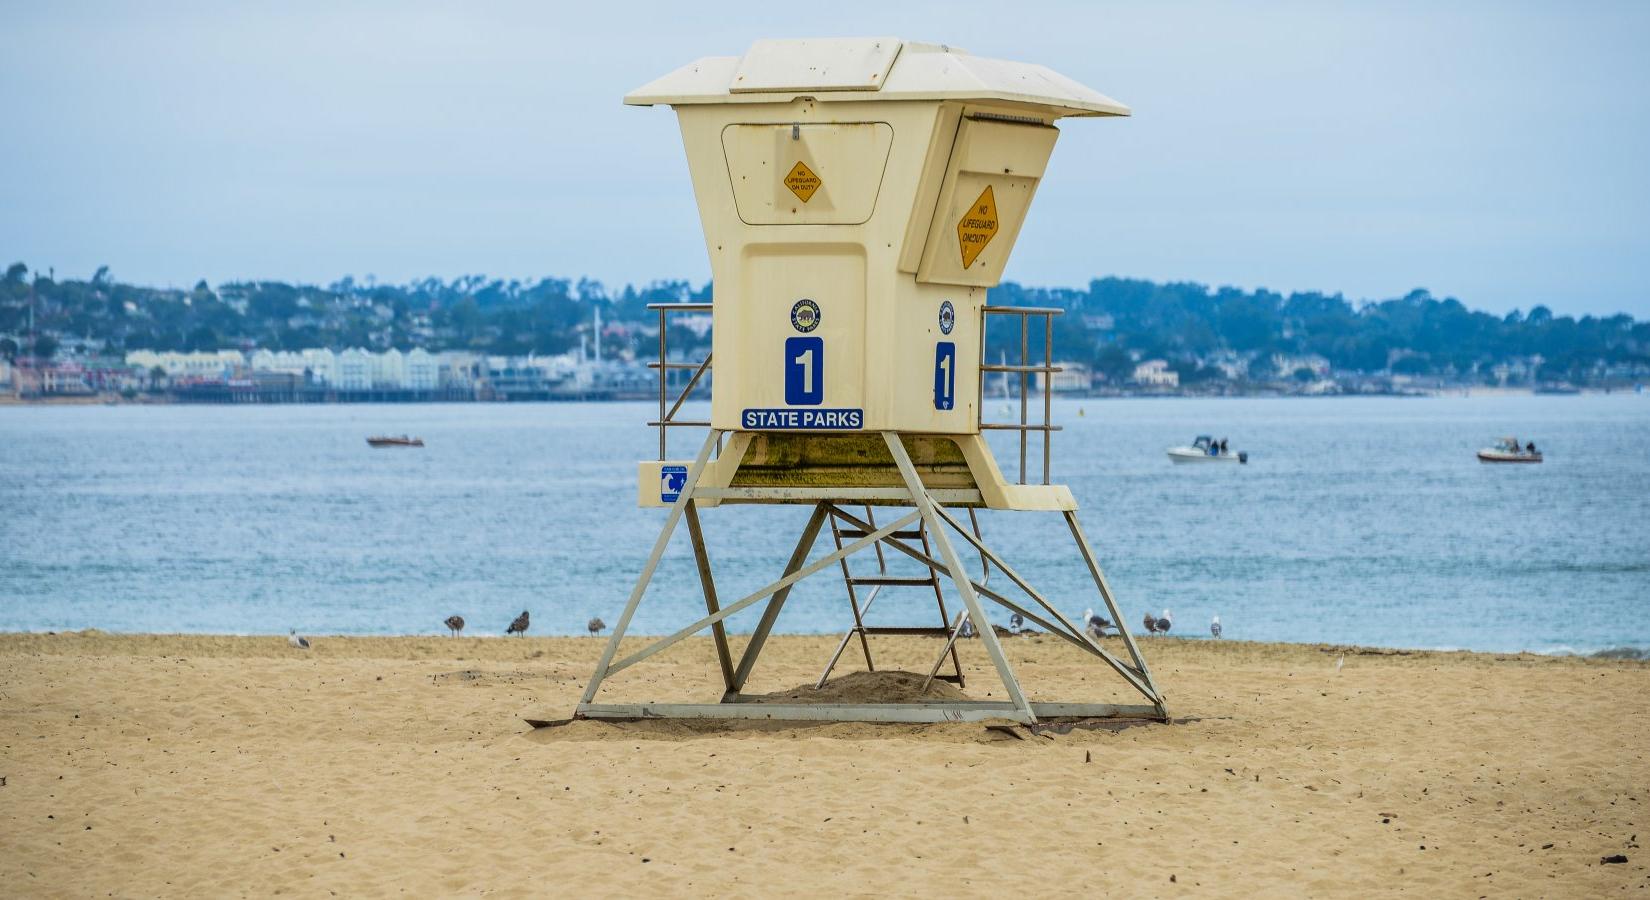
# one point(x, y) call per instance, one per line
point(1356, 520)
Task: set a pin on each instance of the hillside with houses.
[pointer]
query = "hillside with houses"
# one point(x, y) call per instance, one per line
point(475, 338)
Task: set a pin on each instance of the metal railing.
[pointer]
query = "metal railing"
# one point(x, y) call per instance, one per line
point(1025, 370)
point(667, 417)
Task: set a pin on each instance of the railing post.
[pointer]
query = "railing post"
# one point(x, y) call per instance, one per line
point(664, 378)
point(1048, 388)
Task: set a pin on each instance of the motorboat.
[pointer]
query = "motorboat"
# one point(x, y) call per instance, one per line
point(1509, 451)
point(381, 440)
point(1206, 450)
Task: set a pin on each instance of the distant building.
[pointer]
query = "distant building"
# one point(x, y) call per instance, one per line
point(355, 370)
point(458, 369)
point(1072, 377)
point(389, 370)
point(1286, 365)
point(1156, 373)
point(204, 365)
point(421, 371)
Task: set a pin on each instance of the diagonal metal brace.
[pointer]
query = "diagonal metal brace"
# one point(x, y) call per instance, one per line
point(1140, 680)
point(979, 586)
point(746, 601)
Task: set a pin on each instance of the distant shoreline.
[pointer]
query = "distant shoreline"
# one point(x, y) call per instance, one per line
point(1621, 653)
point(111, 399)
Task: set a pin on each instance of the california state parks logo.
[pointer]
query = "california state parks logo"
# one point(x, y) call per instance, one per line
point(948, 317)
point(805, 315)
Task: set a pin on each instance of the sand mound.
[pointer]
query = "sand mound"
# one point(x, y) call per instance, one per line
point(868, 687)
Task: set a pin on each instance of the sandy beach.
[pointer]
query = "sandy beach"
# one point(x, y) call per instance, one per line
point(199, 765)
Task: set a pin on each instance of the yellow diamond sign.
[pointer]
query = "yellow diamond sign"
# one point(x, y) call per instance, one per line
point(977, 227)
point(802, 181)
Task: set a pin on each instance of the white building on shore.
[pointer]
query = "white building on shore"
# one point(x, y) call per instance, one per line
point(1156, 373)
point(359, 369)
point(355, 370)
point(218, 364)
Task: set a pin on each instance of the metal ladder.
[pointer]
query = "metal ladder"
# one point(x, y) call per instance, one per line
point(839, 532)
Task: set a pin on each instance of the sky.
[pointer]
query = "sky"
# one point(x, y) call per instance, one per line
point(1496, 152)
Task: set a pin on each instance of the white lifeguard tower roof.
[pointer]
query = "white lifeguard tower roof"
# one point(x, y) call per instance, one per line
point(872, 68)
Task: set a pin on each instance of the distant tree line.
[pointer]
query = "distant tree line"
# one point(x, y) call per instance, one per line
point(1110, 325)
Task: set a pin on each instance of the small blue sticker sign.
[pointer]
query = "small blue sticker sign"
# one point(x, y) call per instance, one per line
point(945, 375)
point(948, 317)
point(672, 479)
point(805, 315)
point(802, 419)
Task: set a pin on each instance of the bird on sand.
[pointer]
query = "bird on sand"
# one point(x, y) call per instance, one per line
point(966, 629)
point(1165, 622)
point(596, 625)
point(519, 626)
point(1016, 621)
point(1214, 627)
point(1095, 625)
point(295, 640)
point(454, 624)
point(1151, 623)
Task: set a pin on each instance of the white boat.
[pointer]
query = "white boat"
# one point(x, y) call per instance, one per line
point(1205, 450)
point(1508, 451)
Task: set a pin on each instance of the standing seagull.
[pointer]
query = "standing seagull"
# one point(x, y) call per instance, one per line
point(1095, 625)
point(1165, 622)
point(596, 625)
point(1214, 627)
point(1017, 622)
point(1151, 623)
point(294, 640)
point(454, 624)
point(519, 626)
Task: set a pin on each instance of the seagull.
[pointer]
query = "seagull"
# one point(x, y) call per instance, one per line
point(966, 629)
point(1214, 627)
point(1017, 621)
point(1151, 623)
point(519, 626)
point(293, 639)
point(454, 624)
point(1165, 622)
point(596, 625)
point(1095, 625)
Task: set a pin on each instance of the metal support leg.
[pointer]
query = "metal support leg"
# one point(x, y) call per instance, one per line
point(1139, 680)
point(747, 661)
point(1111, 605)
point(718, 632)
point(939, 598)
point(959, 576)
point(676, 511)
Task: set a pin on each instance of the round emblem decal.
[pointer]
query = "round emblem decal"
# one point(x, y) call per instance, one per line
point(948, 317)
point(805, 315)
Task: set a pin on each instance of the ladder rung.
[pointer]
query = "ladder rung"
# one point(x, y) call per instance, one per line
point(890, 581)
point(915, 630)
point(904, 535)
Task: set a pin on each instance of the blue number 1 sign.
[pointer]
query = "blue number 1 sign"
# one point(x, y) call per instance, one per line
point(945, 375)
point(804, 371)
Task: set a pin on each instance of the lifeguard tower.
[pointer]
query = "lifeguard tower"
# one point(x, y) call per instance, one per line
point(858, 198)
